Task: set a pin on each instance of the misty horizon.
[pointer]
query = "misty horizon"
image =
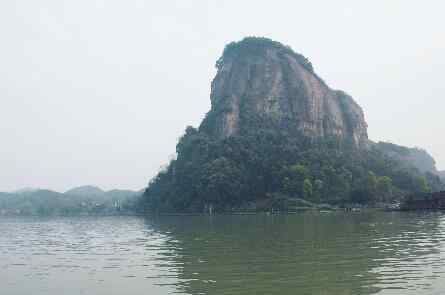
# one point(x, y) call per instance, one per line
point(89, 100)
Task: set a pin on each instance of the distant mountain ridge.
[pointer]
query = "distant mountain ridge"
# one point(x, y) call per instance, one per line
point(26, 190)
point(85, 190)
point(79, 200)
point(416, 157)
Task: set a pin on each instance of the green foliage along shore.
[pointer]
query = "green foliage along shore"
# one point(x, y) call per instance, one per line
point(263, 167)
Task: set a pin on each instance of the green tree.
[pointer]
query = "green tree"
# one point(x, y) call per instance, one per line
point(293, 182)
point(371, 183)
point(384, 188)
point(222, 183)
point(299, 171)
point(268, 158)
point(307, 189)
point(422, 184)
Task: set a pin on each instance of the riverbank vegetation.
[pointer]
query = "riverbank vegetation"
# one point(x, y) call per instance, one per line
point(265, 169)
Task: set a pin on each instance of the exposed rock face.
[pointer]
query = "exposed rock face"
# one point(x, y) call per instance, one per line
point(262, 77)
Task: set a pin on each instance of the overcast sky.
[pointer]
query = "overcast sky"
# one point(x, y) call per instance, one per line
point(98, 91)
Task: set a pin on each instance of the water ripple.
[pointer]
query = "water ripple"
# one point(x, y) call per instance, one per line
point(338, 253)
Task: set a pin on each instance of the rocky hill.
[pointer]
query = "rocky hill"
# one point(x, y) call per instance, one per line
point(277, 135)
point(267, 80)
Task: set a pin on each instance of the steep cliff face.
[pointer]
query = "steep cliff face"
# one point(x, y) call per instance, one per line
point(262, 78)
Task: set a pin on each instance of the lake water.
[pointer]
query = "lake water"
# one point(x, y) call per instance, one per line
point(322, 254)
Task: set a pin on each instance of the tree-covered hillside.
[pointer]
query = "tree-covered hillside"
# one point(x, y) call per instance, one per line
point(73, 202)
point(265, 168)
point(416, 157)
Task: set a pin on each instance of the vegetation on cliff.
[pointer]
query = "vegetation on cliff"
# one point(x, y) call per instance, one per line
point(256, 45)
point(271, 160)
point(265, 168)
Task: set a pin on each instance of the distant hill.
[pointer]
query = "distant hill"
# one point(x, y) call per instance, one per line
point(416, 157)
point(33, 202)
point(26, 190)
point(80, 200)
point(86, 190)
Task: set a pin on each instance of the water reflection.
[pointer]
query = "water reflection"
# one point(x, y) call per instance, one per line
point(335, 253)
point(115, 255)
point(332, 253)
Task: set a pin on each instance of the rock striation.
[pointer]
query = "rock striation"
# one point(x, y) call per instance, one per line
point(262, 78)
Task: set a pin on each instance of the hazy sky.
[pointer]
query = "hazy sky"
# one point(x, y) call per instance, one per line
point(98, 91)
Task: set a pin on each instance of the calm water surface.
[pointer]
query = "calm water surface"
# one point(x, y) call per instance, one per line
point(332, 253)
